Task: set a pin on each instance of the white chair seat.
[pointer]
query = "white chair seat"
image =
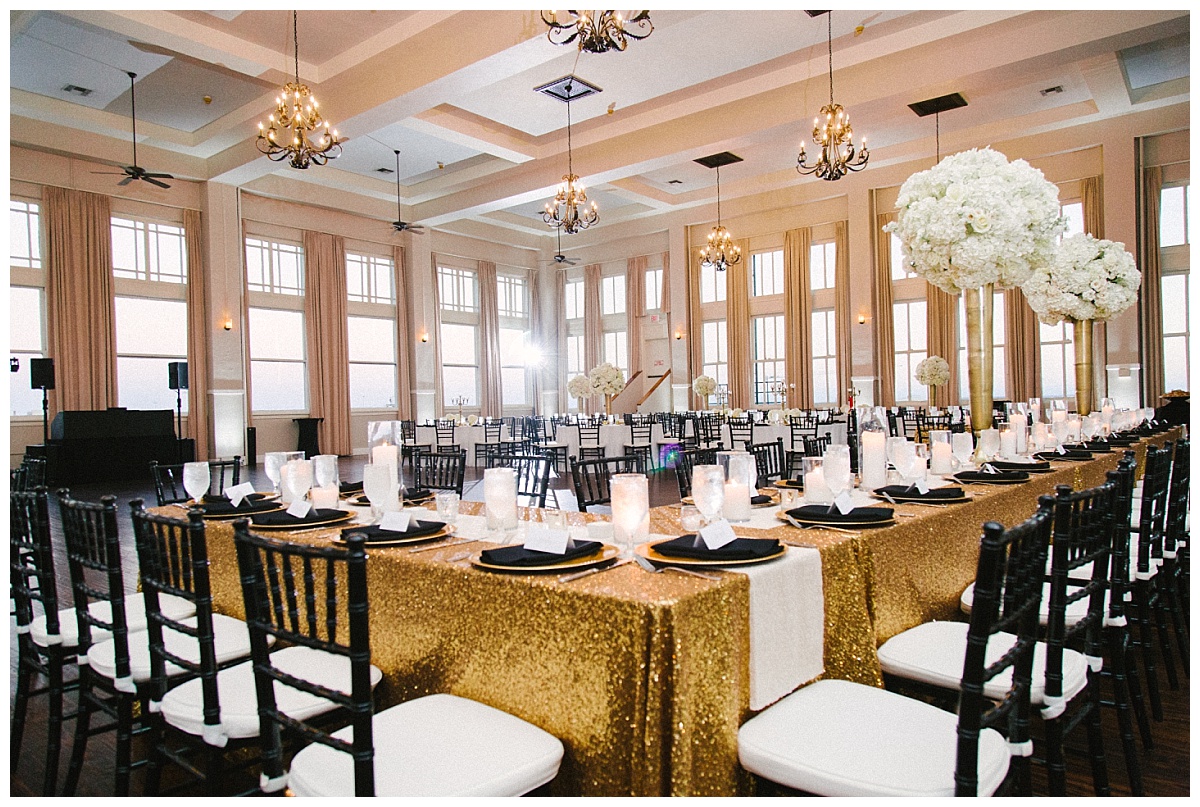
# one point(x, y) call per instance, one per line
point(135, 619)
point(231, 640)
point(439, 745)
point(933, 653)
point(183, 706)
point(1076, 610)
point(839, 738)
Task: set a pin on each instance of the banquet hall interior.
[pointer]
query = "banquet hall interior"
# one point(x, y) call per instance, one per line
point(589, 255)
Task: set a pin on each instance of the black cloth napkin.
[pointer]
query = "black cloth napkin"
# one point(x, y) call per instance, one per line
point(416, 529)
point(1095, 447)
point(737, 549)
point(1001, 465)
point(1074, 456)
point(347, 488)
point(820, 513)
point(519, 557)
point(984, 476)
point(281, 518)
point(761, 499)
point(1122, 440)
point(413, 494)
point(912, 493)
point(247, 506)
point(797, 484)
point(213, 498)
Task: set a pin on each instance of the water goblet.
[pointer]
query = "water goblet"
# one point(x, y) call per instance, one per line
point(963, 446)
point(837, 469)
point(196, 479)
point(274, 461)
point(708, 490)
point(325, 471)
point(377, 486)
point(893, 445)
point(447, 505)
point(299, 478)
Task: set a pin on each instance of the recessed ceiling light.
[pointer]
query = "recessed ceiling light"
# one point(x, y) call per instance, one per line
point(385, 171)
point(1051, 90)
point(75, 89)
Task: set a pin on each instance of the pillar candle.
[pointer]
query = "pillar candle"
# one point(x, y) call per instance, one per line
point(815, 489)
point(1059, 415)
point(385, 454)
point(1039, 436)
point(1019, 426)
point(737, 502)
point(1008, 443)
point(325, 498)
point(939, 462)
point(874, 460)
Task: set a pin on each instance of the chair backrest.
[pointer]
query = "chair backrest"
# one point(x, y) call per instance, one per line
point(815, 446)
point(1083, 524)
point(710, 427)
point(291, 592)
point(445, 432)
point(741, 430)
point(770, 461)
point(589, 434)
point(168, 479)
point(18, 479)
point(1122, 480)
point(801, 426)
point(173, 560)
point(690, 458)
point(94, 561)
point(408, 430)
point(31, 567)
point(1008, 595)
point(1152, 521)
point(35, 471)
point(491, 432)
point(591, 478)
point(533, 475)
point(640, 433)
point(440, 471)
point(1177, 500)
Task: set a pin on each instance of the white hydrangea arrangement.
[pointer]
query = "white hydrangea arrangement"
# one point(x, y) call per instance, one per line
point(933, 372)
point(976, 218)
point(1091, 278)
point(704, 385)
point(580, 387)
point(606, 379)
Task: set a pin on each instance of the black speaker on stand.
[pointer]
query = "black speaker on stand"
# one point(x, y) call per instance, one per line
point(41, 376)
point(177, 379)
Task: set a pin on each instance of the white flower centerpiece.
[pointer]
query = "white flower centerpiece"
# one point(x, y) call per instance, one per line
point(580, 387)
point(608, 381)
point(933, 372)
point(973, 222)
point(1090, 279)
point(704, 386)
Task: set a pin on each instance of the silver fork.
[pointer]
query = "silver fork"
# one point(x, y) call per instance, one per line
point(650, 567)
point(567, 578)
point(800, 526)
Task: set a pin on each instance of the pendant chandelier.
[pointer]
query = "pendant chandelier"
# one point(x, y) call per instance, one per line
point(833, 136)
point(296, 110)
point(569, 210)
point(720, 253)
point(598, 31)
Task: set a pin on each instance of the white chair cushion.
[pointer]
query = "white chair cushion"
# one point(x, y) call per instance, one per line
point(135, 618)
point(183, 706)
point(439, 745)
point(839, 738)
point(934, 653)
point(230, 637)
point(1076, 610)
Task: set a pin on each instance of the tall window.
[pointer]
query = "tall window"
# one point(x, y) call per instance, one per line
point(573, 291)
point(1174, 238)
point(458, 289)
point(459, 296)
point(712, 285)
point(371, 343)
point(715, 352)
point(278, 357)
point(1058, 360)
point(612, 295)
point(654, 281)
point(616, 350)
point(27, 302)
point(149, 309)
point(24, 234)
point(824, 348)
point(908, 320)
point(998, 374)
point(369, 279)
point(766, 273)
point(576, 355)
point(822, 265)
point(768, 345)
point(900, 268)
point(515, 352)
point(1073, 213)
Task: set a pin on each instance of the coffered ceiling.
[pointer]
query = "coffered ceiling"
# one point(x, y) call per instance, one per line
point(454, 92)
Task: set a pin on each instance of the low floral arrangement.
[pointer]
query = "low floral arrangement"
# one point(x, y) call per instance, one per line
point(976, 218)
point(737, 413)
point(932, 372)
point(580, 387)
point(1091, 278)
point(704, 385)
point(606, 379)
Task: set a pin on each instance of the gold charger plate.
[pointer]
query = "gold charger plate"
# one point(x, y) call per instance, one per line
point(789, 484)
point(647, 551)
point(319, 525)
point(990, 481)
point(446, 531)
point(606, 553)
point(361, 500)
point(807, 522)
point(902, 499)
point(773, 503)
point(231, 516)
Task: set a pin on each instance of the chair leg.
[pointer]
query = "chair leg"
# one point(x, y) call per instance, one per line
point(1133, 679)
point(156, 759)
point(1164, 635)
point(54, 723)
point(1117, 641)
point(1178, 619)
point(1056, 769)
point(20, 707)
point(1146, 642)
point(82, 724)
point(124, 743)
point(1095, 734)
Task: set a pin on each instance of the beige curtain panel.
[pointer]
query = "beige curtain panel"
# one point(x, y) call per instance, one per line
point(635, 308)
point(538, 331)
point(405, 337)
point(560, 341)
point(841, 307)
point(1023, 347)
point(199, 329)
point(941, 328)
point(437, 335)
point(1150, 295)
point(325, 329)
point(737, 296)
point(491, 402)
point(593, 329)
point(695, 321)
point(79, 300)
point(664, 302)
point(797, 316)
point(882, 299)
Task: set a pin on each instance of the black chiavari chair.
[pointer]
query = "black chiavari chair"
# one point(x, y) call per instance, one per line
point(591, 478)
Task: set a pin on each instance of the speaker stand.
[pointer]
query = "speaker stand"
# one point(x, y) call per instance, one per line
point(179, 423)
point(45, 417)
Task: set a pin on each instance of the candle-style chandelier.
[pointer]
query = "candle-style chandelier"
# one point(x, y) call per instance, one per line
point(720, 252)
point(598, 31)
point(570, 210)
point(296, 110)
point(833, 136)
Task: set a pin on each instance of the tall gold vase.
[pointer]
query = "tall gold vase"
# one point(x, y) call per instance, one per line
point(979, 303)
point(1085, 379)
point(608, 404)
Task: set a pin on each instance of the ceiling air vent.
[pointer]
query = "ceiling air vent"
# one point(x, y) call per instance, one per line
point(74, 89)
point(1051, 91)
point(568, 88)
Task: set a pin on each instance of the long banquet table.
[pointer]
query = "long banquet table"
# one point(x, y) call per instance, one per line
point(645, 677)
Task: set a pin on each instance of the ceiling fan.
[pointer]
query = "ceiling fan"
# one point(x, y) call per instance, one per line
point(400, 225)
point(135, 171)
point(559, 258)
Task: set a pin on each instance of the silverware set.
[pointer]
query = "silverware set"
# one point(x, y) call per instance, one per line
point(441, 545)
point(640, 561)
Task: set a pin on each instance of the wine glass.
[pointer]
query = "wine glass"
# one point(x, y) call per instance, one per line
point(963, 446)
point(837, 469)
point(708, 490)
point(377, 486)
point(274, 460)
point(300, 478)
point(196, 479)
point(893, 446)
point(906, 455)
point(325, 471)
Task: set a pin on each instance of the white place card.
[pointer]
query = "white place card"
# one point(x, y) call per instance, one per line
point(988, 468)
point(299, 508)
point(542, 539)
point(844, 502)
point(717, 534)
point(238, 492)
point(395, 521)
point(922, 486)
point(1061, 450)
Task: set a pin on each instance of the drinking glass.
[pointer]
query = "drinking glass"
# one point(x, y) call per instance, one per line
point(196, 479)
point(893, 445)
point(1089, 427)
point(325, 471)
point(630, 510)
point(500, 500)
point(1035, 409)
point(708, 490)
point(274, 460)
point(689, 517)
point(963, 446)
point(377, 484)
point(299, 478)
point(447, 505)
point(1074, 427)
point(905, 456)
point(815, 489)
point(837, 469)
point(989, 443)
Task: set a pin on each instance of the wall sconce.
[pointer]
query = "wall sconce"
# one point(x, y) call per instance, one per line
point(228, 324)
point(424, 336)
point(862, 319)
point(678, 335)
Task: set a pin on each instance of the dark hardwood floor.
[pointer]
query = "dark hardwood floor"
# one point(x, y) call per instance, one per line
point(1166, 768)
